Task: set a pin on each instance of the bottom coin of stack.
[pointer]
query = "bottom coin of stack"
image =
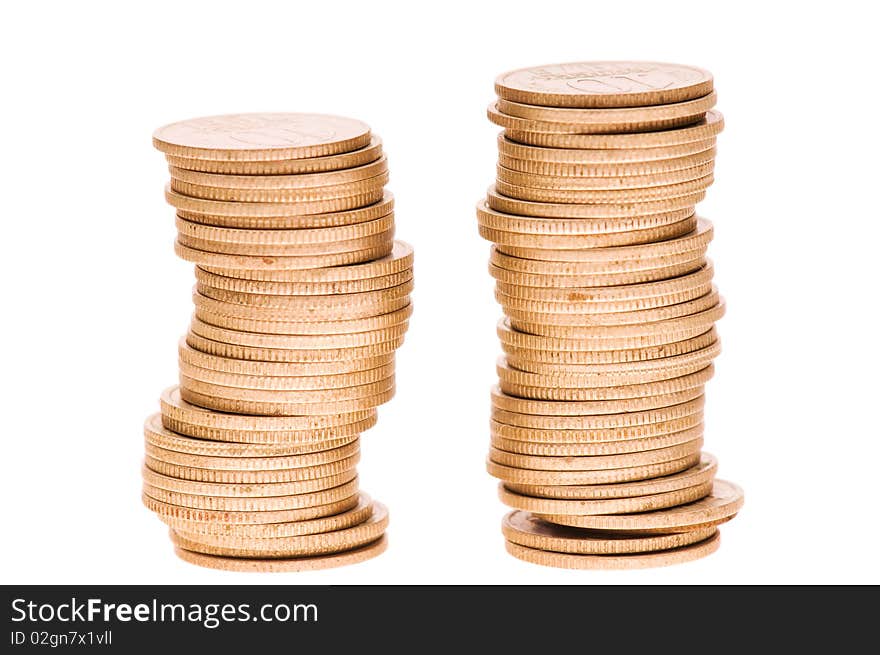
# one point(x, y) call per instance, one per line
point(260, 493)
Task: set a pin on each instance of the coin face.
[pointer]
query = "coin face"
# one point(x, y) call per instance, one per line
point(604, 84)
point(262, 137)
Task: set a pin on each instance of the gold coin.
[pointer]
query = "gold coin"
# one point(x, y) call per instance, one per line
point(299, 181)
point(275, 263)
point(255, 477)
point(184, 415)
point(655, 116)
point(278, 355)
point(288, 383)
point(313, 509)
point(369, 153)
point(602, 476)
point(509, 205)
point(598, 438)
point(554, 449)
point(568, 353)
point(292, 397)
point(572, 270)
point(603, 170)
point(307, 303)
point(247, 503)
point(609, 506)
point(156, 434)
point(614, 337)
point(332, 248)
point(679, 555)
point(297, 546)
point(225, 490)
point(262, 137)
point(274, 214)
point(531, 532)
point(572, 300)
point(607, 183)
point(708, 128)
point(594, 462)
point(598, 421)
point(278, 216)
point(608, 196)
point(718, 507)
point(508, 403)
point(610, 374)
point(286, 565)
point(369, 191)
point(505, 239)
point(308, 309)
point(297, 341)
point(569, 390)
point(600, 279)
point(264, 237)
point(604, 84)
point(389, 321)
point(695, 280)
point(610, 338)
point(508, 149)
point(701, 473)
point(488, 217)
point(345, 519)
point(575, 121)
point(256, 463)
point(295, 288)
point(268, 408)
point(399, 259)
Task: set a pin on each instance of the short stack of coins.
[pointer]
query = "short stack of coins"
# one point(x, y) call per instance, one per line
point(608, 337)
point(302, 297)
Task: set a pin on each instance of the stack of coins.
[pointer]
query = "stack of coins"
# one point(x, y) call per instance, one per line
point(302, 297)
point(601, 270)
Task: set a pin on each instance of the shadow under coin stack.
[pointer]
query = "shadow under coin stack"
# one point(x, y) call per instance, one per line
point(302, 297)
point(609, 337)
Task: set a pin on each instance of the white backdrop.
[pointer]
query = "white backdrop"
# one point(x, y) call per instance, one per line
point(94, 299)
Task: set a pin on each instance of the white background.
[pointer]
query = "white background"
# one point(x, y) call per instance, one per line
point(94, 299)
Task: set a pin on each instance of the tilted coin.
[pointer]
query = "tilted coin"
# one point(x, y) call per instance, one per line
point(527, 530)
point(262, 137)
point(707, 128)
point(298, 181)
point(568, 507)
point(279, 565)
point(607, 196)
point(253, 463)
point(658, 115)
point(594, 448)
point(601, 476)
point(297, 546)
point(604, 84)
point(369, 153)
point(255, 477)
point(285, 355)
point(510, 205)
point(212, 490)
point(582, 123)
point(324, 249)
point(350, 517)
point(294, 288)
point(366, 191)
point(278, 216)
point(721, 505)
point(592, 437)
point(617, 156)
point(400, 258)
point(699, 474)
point(604, 183)
point(279, 263)
point(275, 408)
point(607, 169)
point(679, 555)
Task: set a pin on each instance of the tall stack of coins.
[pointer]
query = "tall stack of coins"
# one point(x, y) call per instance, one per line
point(601, 270)
point(302, 297)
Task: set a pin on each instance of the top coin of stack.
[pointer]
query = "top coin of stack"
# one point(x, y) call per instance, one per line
point(601, 270)
point(302, 297)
